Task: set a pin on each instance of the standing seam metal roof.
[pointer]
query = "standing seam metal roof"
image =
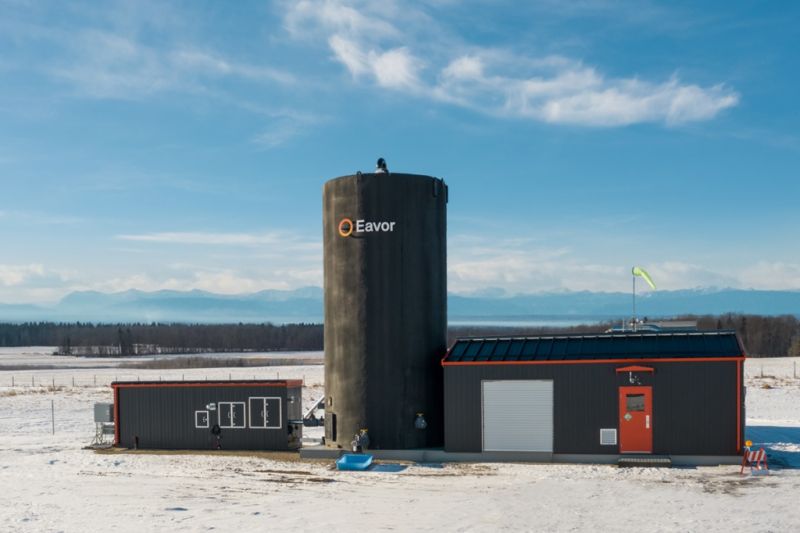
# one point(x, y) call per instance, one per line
point(683, 345)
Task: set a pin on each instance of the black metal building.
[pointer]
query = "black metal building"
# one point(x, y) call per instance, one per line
point(676, 394)
point(198, 415)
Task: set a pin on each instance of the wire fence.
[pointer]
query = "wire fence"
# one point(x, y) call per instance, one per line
point(772, 368)
point(105, 379)
point(754, 369)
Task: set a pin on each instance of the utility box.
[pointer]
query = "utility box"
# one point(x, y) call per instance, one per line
point(197, 415)
point(103, 412)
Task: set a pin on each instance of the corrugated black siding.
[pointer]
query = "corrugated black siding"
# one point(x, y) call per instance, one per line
point(694, 405)
point(163, 418)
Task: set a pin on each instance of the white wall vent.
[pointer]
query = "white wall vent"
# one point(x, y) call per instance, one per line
point(608, 437)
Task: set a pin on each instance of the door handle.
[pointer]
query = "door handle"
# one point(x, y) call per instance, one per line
point(647, 422)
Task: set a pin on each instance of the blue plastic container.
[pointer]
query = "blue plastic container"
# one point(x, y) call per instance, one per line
point(354, 461)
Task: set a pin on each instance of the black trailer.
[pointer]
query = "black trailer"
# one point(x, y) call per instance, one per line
point(203, 415)
point(596, 397)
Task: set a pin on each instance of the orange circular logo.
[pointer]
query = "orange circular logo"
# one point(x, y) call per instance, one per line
point(345, 227)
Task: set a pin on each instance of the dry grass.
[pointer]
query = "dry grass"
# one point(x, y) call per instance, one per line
point(214, 362)
point(32, 390)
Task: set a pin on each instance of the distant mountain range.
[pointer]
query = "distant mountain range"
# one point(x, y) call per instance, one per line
point(305, 305)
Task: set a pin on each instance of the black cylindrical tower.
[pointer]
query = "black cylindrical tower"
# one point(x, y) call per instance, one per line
point(385, 309)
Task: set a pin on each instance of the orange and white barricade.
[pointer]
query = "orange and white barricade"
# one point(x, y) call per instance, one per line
point(755, 459)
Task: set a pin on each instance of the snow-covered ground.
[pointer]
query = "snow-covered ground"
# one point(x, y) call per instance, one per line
point(51, 484)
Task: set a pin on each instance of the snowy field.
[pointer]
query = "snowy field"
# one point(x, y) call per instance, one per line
point(51, 484)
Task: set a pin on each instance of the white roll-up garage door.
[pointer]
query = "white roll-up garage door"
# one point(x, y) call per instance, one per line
point(518, 416)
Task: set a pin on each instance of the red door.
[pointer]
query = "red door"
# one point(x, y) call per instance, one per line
point(635, 420)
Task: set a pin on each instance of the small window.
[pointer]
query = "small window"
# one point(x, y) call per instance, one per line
point(265, 412)
point(201, 419)
point(231, 414)
point(634, 402)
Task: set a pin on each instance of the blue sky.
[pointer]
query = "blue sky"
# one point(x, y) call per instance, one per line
point(184, 146)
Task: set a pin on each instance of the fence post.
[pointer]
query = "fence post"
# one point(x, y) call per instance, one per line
point(33, 384)
point(95, 380)
point(795, 370)
point(73, 381)
point(762, 371)
point(54, 383)
point(12, 381)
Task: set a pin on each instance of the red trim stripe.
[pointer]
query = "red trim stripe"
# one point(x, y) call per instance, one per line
point(738, 406)
point(116, 416)
point(594, 361)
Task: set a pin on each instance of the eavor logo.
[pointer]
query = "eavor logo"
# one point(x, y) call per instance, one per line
point(347, 227)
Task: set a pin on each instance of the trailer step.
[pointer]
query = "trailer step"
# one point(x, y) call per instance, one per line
point(648, 461)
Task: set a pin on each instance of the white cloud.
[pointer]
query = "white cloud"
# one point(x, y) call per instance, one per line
point(285, 125)
point(30, 283)
point(475, 265)
point(205, 63)
point(396, 68)
point(771, 275)
point(221, 281)
point(11, 275)
point(673, 275)
point(560, 91)
point(283, 239)
point(350, 55)
point(525, 265)
point(102, 64)
point(105, 65)
point(504, 83)
point(308, 18)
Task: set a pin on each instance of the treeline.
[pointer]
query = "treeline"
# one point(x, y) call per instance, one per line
point(144, 339)
point(762, 336)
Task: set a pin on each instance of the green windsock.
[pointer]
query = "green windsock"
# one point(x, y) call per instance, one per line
point(639, 271)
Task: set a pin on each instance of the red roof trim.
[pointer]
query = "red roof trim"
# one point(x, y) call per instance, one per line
point(635, 368)
point(594, 361)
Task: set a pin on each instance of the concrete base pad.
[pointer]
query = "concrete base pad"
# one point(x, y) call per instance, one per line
point(437, 455)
